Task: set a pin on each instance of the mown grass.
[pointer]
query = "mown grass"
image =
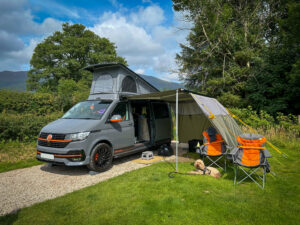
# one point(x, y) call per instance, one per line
point(149, 196)
point(16, 155)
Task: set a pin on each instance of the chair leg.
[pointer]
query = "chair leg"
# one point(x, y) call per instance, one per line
point(213, 162)
point(235, 174)
point(264, 177)
point(250, 174)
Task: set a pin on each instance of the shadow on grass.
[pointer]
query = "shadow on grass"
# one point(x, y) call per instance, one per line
point(9, 218)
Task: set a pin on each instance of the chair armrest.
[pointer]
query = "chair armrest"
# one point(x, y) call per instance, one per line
point(267, 153)
point(234, 151)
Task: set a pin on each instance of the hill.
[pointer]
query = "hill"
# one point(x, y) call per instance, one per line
point(13, 80)
point(17, 81)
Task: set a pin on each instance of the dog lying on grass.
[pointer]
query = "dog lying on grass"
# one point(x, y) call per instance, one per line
point(201, 169)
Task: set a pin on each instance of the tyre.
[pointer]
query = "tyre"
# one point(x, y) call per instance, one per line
point(101, 158)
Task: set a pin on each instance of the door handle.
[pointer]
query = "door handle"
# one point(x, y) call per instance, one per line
point(129, 124)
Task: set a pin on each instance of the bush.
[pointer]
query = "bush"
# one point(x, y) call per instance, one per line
point(281, 124)
point(28, 102)
point(24, 127)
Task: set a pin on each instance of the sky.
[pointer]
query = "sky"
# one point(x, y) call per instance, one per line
point(147, 33)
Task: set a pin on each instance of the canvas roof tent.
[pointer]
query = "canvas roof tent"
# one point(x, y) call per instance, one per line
point(110, 80)
point(194, 114)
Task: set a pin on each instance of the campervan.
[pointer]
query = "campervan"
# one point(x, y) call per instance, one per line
point(107, 125)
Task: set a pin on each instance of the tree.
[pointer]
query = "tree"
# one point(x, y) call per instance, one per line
point(276, 87)
point(64, 54)
point(224, 44)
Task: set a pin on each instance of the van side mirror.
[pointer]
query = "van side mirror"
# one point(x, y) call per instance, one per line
point(115, 119)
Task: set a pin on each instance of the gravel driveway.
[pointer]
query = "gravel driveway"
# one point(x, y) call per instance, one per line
point(25, 187)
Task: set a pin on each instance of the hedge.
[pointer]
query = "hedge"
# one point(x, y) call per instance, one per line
point(24, 127)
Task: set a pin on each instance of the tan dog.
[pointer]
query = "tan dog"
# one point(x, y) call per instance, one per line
point(201, 169)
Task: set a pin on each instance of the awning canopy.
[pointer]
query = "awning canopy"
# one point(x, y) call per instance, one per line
point(196, 113)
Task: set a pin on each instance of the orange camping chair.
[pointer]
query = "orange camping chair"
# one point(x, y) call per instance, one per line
point(213, 149)
point(249, 156)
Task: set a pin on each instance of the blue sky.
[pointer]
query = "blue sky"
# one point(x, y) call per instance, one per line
point(146, 32)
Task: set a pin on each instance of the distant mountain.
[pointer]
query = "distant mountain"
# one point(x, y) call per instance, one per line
point(17, 81)
point(13, 80)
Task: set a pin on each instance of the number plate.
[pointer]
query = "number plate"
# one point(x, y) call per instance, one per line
point(47, 156)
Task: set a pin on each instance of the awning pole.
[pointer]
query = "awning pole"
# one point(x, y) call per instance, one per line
point(177, 130)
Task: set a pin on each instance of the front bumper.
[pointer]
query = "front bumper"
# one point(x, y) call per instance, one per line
point(73, 155)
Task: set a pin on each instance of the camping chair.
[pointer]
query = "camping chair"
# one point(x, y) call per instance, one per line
point(214, 148)
point(249, 156)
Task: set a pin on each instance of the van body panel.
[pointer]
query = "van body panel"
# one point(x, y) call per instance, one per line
point(68, 126)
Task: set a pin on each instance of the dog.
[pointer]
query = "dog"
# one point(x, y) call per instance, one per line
point(201, 169)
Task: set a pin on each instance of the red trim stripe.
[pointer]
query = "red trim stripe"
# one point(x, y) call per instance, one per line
point(43, 139)
point(123, 149)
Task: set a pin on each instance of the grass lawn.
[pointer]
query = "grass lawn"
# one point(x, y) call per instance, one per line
point(149, 196)
point(16, 155)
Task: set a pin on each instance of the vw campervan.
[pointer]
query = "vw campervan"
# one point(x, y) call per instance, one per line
point(107, 125)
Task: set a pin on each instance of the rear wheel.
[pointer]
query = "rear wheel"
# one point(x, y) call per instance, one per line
point(101, 158)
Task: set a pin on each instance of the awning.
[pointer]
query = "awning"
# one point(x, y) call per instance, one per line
point(195, 113)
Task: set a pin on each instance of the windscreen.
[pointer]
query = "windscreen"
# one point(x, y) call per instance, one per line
point(87, 110)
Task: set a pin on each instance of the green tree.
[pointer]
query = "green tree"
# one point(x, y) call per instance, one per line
point(276, 85)
point(64, 54)
point(224, 44)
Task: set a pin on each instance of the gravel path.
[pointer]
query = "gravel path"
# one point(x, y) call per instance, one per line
point(25, 187)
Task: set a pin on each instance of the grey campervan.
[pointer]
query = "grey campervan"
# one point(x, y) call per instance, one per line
point(107, 125)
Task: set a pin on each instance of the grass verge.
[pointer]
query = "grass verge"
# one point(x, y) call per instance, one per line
point(149, 196)
point(16, 155)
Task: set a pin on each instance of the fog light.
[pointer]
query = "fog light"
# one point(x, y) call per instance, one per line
point(76, 159)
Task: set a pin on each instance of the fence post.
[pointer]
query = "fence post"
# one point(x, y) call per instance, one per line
point(299, 119)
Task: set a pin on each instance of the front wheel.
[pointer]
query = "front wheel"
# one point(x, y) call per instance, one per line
point(101, 158)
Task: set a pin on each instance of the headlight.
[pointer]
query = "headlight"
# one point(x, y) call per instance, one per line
point(77, 136)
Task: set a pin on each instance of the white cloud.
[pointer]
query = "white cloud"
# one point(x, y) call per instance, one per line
point(16, 20)
point(133, 42)
point(9, 42)
point(18, 59)
point(116, 4)
point(140, 71)
point(170, 77)
point(149, 16)
point(142, 39)
point(140, 34)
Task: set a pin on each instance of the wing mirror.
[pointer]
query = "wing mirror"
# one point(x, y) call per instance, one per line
point(115, 119)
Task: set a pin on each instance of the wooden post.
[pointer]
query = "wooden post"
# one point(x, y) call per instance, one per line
point(299, 119)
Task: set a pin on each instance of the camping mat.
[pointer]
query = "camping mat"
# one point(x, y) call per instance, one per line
point(143, 161)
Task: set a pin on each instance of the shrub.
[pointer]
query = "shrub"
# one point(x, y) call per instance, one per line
point(284, 125)
point(24, 127)
point(28, 102)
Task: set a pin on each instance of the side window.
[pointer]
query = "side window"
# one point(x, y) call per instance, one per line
point(122, 110)
point(129, 85)
point(160, 110)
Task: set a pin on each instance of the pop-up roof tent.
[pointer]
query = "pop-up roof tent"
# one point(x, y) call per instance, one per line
point(194, 114)
point(112, 80)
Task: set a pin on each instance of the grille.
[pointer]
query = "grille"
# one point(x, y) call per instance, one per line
point(53, 144)
point(54, 136)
